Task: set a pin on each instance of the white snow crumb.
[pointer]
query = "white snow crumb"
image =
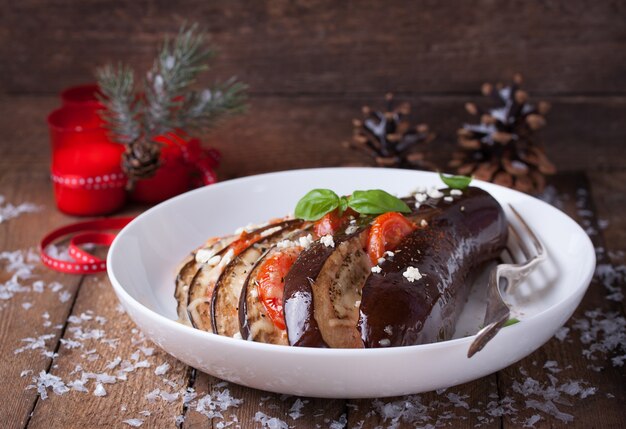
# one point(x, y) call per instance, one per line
point(55, 286)
point(458, 400)
point(44, 381)
point(376, 269)
point(561, 333)
point(412, 274)
point(71, 344)
point(295, 412)
point(270, 422)
point(101, 320)
point(212, 404)
point(435, 193)
point(114, 363)
point(169, 397)
point(305, 242)
point(10, 211)
point(530, 422)
point(153, 396)
point(27, 305)
point(162, 369)
point(64, 296)
point(133, 422)
point(145, 413)
point(106, 378)
point(456, 192)
point(38, 287)
point(34, 343)
point(179, 419)
point(26, 372)
point(148, 351)
point(78, 385)
point(603, 334)
point(339, 424)
point(327, 240)
point(99, 390)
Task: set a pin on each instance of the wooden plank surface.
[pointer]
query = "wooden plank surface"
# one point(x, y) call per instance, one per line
point(325, 47)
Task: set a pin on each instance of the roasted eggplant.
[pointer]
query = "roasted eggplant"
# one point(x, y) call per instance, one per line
point(419, 293)
point(227, 292)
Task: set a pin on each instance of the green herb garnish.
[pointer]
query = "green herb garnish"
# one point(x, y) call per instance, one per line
point(318, 202)
point(456, 182)
point(511, 321)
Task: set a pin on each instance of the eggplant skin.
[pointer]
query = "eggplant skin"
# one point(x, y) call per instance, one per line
point(460, 237)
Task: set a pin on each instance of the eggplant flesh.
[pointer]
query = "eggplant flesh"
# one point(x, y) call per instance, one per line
point(255, 323)
point(462, 235)
point(337, 294)
point(203, 284)
point(226, 296)
point(186, 273)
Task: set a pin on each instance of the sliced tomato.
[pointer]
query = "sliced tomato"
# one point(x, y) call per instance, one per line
point(271, 283)
point(385, 234)
point(331, 222)
point(243, 242)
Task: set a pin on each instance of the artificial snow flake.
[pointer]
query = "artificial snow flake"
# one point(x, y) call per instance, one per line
point(133, 422)
point(99, 390)
point(162, 369)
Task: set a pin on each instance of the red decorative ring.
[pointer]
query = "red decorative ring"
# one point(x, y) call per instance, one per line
point(105, 181)
point(85, 263)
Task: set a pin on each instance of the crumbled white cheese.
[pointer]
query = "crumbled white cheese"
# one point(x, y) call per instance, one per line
point(420, 190)
point(237, 336)
point(456, 192)
point(351, 229)
point(284, 244)
point(327, 240)
point(381, 260)
point(435, 193)
point(306, 241)
point(204, 255)
point(388, 330)
point(357, 304)
point(420, 198)
point(376, 269)
point(423, 223)
point(417, 205)
point(213, 261)
point(385, 342)
point(448, 199)
point(270, 231)
point(389, 253)
point(412, 274)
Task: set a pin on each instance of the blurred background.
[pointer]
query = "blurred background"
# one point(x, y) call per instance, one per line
point(311, 65)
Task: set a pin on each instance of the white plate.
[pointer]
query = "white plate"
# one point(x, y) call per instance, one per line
point(142, 261)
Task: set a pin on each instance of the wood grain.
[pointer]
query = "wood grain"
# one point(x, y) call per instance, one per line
point(17, 322)
point(325, 47)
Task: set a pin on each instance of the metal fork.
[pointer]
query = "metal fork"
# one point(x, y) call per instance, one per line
point(505, 277)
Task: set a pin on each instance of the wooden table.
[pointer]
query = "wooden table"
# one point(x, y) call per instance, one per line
point(255, 144)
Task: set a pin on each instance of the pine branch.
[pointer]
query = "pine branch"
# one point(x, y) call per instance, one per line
point(201, 110)
point(122, 112)
point(172, 73)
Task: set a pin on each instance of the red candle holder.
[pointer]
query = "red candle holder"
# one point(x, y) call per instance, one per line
point(82, 95)
point(86, 172)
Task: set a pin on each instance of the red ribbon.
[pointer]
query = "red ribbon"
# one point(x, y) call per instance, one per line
point(204, 160)
point(86, 232)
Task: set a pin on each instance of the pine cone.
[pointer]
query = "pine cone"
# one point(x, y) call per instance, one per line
point(141, 159)
point(503, 148)
point(389, 139)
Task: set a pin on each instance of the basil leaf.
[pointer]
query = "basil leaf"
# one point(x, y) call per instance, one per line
point(376, 201)
point(343, 204)
point(511, 321)
point(456, 182)
point(316, 204)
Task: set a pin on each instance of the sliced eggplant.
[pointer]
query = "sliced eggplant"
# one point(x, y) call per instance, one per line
point(419, 293)
point(188, 269)
point(227, 292)
point(203, 283)
point(254, 321)
point(337, 293)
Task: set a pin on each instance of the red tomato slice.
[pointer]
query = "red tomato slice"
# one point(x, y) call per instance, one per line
point(243, 242)
point(386, 233)
point(271, 283)
point(331, 222)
